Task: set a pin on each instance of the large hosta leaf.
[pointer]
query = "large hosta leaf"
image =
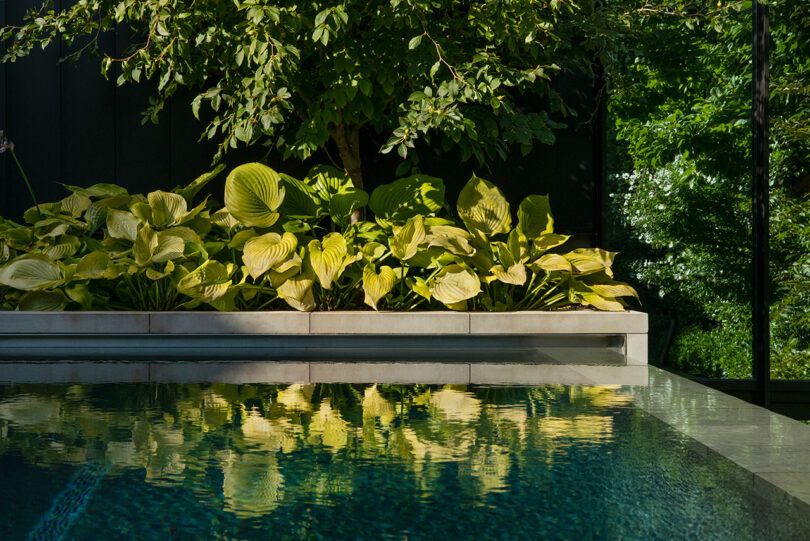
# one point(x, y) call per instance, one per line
point(253, 193)
point(516, 274)
point(157, 247)
point(145, 245)
point(224, 219)
point(207, 282)
point(406, 240)
point(547, 241)
point(31, 272)
point(483, 208)
point(98, 191)
point(297, 292)
point(454, 284)
point(453, 239)
point(377, 284)
point(552, 262)
point(189, 192)
point(335, 189)
point(300, 199)
point(607, 287)
point(267, 251)
point(92, 265)
point(534, 217)
point(591, 260)
point(74, 205)
point(406, 197)
point(167, 209)
point(43, 301)
point(327, 258)
point(122, 224)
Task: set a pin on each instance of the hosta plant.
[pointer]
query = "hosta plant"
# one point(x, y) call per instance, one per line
point(281, 241)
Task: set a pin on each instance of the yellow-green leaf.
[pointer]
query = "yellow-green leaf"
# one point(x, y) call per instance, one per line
point(145, 245)
point(483, 208)
point(207, 282)
point(547, 241)
point(75, 204)
point(406, 240)
point(297, 292)
point(407, 197)
point(534, 217)
point(224, 219)
point(326, 258)
point(516, 274)
point(454, 284)
point(591, 260)
point(253, 193)
point(167, 208)
point(377, 284)
point(31, 272)
point(265, 252)
point(122, 224)
point(552, 262)
point(92, 265)
point(453, 239)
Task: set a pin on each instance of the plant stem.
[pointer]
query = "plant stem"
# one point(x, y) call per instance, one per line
point(25, 178)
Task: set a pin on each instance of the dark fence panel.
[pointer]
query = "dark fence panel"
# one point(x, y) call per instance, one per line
point(72, 126)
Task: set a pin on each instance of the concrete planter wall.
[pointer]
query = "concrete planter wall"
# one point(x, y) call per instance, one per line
point(570, 337)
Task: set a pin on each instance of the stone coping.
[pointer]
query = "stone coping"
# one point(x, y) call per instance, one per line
point(773, 448)
point(324, 323)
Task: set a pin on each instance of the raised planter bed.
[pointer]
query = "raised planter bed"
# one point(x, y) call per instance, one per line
point(567, 337)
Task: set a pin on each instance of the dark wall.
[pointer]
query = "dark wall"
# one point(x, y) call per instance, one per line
point(72, 126)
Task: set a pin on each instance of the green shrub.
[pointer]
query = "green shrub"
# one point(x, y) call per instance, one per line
point(280, 239)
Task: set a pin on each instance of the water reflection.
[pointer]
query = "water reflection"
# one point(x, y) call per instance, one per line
point(253, 434)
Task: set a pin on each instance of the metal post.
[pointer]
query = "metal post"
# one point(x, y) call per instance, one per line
point(760, 319)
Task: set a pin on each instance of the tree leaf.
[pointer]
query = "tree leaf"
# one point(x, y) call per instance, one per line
point(253, 193)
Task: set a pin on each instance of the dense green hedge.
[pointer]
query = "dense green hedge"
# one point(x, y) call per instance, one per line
point(284, 240)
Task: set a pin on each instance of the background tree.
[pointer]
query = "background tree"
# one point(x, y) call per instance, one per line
point(298, 75)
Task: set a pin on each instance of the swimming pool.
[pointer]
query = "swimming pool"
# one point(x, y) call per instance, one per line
point(363, 461)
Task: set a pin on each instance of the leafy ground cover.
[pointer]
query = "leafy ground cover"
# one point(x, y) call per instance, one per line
point(286, 242)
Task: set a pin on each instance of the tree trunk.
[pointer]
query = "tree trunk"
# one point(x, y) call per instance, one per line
point(347, 139)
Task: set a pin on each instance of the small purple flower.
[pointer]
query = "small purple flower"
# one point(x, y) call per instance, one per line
point(5, 143)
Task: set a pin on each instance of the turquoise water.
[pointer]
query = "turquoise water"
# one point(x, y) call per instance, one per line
point(216, 461)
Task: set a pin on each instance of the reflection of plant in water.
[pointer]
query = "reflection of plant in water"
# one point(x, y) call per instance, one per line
point(175, 432)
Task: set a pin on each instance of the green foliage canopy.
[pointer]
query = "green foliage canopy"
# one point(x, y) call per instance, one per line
point(297, 75)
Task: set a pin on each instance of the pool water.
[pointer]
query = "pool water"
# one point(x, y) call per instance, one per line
point(331, 461)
